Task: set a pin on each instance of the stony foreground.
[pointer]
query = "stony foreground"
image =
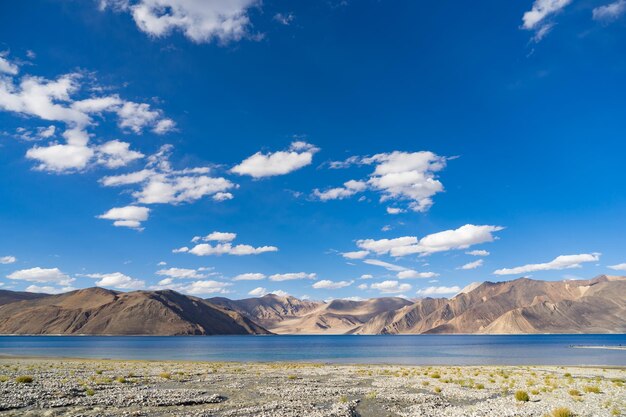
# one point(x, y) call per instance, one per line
point(60, 387)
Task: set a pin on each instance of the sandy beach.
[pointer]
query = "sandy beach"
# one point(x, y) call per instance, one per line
point(75, 387)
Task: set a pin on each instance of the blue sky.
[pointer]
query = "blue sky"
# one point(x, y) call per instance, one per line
point(323, 148)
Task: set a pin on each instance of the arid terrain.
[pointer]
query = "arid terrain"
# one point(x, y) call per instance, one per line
point(521, 306)
point(66, 387)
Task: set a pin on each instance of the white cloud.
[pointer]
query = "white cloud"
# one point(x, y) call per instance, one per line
point(478, 252)
point(409, 273)
point(250, 276)
point(41, 275)
point(535, 19)
point(129, 216)
point(367, 276)
point(426, 292)
point(183, 273)
point(116, 154)
point(280, 293)
point(292, 276)
point(558, 263)
point(259, 165)
point(7, 66)
point(618, 267)
point(221, 196)
point(258, 292)
point(160, 184)
point(217, 237)
point(386, 265)
point(47, 289)
point(205, 249)
point(398, 176)
point(472, 265)
point(355, 255)
point(362, 286)
point(117, 280)
point(199, 20)
point(390, 287)
point(5, 260)
point(609, 12)
point(461, 238)
point(284, 18)
point(54, 100)
point(348, 190)
point(162, 263)
point(200, 287)
point(331, 285)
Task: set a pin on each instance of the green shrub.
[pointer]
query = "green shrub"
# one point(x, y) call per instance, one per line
point(437, 390)
point(592, 389)
point(4, 378)
point(435, 375)
point(24, 379)
point(121, 379)
point(562, 412)
point(165, 375)
point(522, 396)
point(574, 393)
point(89, 392)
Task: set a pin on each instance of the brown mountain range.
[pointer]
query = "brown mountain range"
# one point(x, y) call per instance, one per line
point(101, 311)
point(518, 306)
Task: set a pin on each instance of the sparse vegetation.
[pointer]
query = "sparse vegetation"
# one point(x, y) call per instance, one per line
point(574, 393)
point(121, 379)
point(165, 375)
point(562, 412)
point(437, 390)
point(522, 396)
point(594, 389)
point(89, 392)
point(24, 379)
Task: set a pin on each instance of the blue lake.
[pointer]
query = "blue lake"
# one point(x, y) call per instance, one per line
point(397, 349)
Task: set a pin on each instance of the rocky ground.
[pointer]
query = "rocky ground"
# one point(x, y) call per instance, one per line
point(60, 387)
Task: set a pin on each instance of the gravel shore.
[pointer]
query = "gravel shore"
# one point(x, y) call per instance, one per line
point(68, 387)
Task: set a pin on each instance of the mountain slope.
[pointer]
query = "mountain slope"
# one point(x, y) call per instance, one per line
point(519, 306)
point(7, 297)
point(101, 311)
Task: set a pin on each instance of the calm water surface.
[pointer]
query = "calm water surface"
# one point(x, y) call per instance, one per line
point(397, 349)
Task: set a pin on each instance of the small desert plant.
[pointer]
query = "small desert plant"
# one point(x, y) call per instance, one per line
point(24, 379)
point(98, 371)
point(535, 392)
point(425, 383)
point(371, 395)
point(567, 375)
point(562, 412)
point(165, 375)
point(292, 377)
point(480, 386)
point(4, 378)
point(435, 375)
point(592, 389)
point(89, 392)
point(574, 393)
point(522, 396)
point(437, 390)
point(343, 399)
point(121, 379)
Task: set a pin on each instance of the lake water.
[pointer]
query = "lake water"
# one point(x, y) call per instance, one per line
point(383, 349)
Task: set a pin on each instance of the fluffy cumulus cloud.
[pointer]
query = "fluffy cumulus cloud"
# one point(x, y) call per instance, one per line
point(66, 100)
point(391, 287)
point(48, 289)
point(461, 238)
point(223, 247)
point(348, 190)
point(183, 273)
point(435, 291)
point(409, 274)
point(5, 260)
point(260, 165)
point(618, 267)
point(398, 176)
point(129, 216)
point(280, 293)
point(6, 66)
point(117, 280)
point(42, 275)
point(537, 18)
point(290, 276)
point(609, 12)
point(331, 285)
point(558, 263)
point(159, 183)
point(249, 276)
point(200, 21)
point(258, 292)
point(472, 265)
